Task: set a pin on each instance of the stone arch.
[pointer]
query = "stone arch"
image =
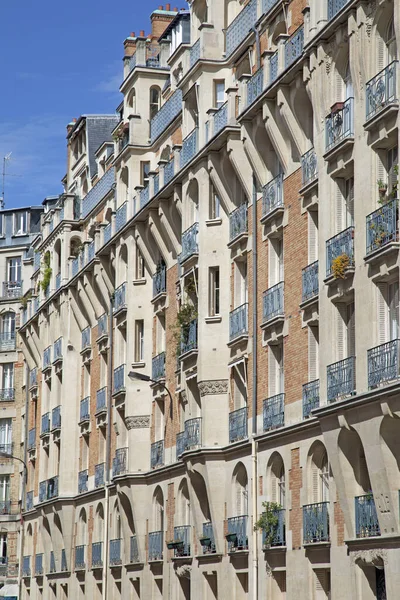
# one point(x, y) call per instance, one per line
point(276, 479)
point(98, 525)
point(317, 473)
point(158, 509)
point(389, 434)
point(81, 529)
point(352, 463)
point(240, 490)
point(183, 505)
point(126, 507)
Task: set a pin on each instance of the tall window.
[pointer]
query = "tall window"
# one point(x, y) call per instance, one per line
point(215, 205)
point(276, 381)
point(240, 283)
point(160, 333)
point(20, 223)
point(155, 99)
point(4, 494)
point(214, 308)
point(14, 269)
point(8, 324)
point(344, 204)
point(388, 312)
point(392, 162)
point(145, 169)
point(5, 435)
point(346, 330)
point(8, 376)
point(3, 548)
point(219, 93)
point(140, 270)
point(276, 264)
point(139, 340)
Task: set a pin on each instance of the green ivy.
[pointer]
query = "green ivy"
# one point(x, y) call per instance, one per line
point(46, 273)
point(268, 520)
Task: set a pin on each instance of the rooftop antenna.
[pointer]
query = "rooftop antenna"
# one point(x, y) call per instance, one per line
point(6, 158)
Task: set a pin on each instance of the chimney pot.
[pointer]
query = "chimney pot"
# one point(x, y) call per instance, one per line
point(142, 33)
point(132, 34)
point(161, 7)
point(167, 7)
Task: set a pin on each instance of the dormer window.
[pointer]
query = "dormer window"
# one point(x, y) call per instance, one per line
point(20, 223)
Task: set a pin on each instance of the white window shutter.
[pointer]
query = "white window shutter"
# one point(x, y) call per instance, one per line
point(394, 311)
point(340, 330)
point(382, 305)
point(272, 371)
point(339, 205)
point(392, 161)
point(315, 476)
point(340, 88)
point(313, 353)
point(349, 202)
point(312, 239)
point(351, 330)
point(382, 54)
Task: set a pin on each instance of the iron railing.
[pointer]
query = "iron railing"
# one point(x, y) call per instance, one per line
point(80, 557)
point(274, 412)
point(316, 523)
point(82, 481)
point(276, 535)
point(381, 90)
point(74, 266)
point(272, 195)
point(56, 417)
point(310, 397)
point(29, 500)
point(255, 86)
point(169, 171)
point(240, 27)
point(238, 425)
point(238, 322)
point(238, 526)
point(97, 555)
point(12, 289)
point(309, 167)
point(102, 326)
point(101, 399)
point(194, 54)
point(192, 433)
point(339, 125)
point(42, 491)
point(160, 280)
point(273, 67)
point(7, 394)
point(383, 363)
point(273, 302)
point(120, 298)
point(156, 545)
point(57, 350)
point(39, 564)
point(334, 6)
point(367, 524)
point(45, 423)
point(99, 475)
point(7, 341)
point(84, 413)
point(32, 438)
point(182, 534)
point(157, 454)
point(144, 196)
point(158, 366)
point(189, 242)
point(119, 466)
point(189, 147)
point(341, 244)
point(134, 550)
point(156, 184)
point(189, 337)
point(238, 222)
point(220, 118)
point(382, 226)
point(167, 113)
point(180, 444)
point(98, 192)
point(115, 552)
point(208, 533)
point(310, 286)
point(107, 231)
point(85, 338)
point(341, 379)
point(47, 358)
point(26, 566)
point(5, 507)
point(119, 379)
point(294, 47)
point(90, 251)
point(120, 216)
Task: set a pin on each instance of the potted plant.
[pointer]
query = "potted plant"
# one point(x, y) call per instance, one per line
point(268, 521)
point(231, 538)
point(382, 187)
point(336, 107)
point(205, 541)
point(339, 266)
point(174, 544)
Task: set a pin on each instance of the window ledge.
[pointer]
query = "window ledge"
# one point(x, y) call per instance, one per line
point(138, 365)
point(139, 281)
point(215, 319)
point(213, 222)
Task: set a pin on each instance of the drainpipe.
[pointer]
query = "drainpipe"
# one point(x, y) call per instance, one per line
point(254, 398)
point(108, 447)
point(23, 486)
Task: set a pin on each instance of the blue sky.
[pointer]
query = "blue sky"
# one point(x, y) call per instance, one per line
point(58, 60)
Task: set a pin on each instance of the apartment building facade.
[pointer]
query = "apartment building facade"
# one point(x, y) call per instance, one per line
point(213, 333)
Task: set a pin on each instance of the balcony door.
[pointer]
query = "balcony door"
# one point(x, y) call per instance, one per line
point(14, 269)
point(8, 376)
point(5, 435)
point(8, 324)
point(388, 312)
point(4, 493)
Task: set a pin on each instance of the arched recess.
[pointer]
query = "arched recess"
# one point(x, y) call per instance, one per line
point(124, 185)
point(385, 39)
point(390, 435)
point(57, 534)
point(75, 246)
point(116, 525)
point(353, 464)
point(132, 101)
point(127, 512)
point(201, 495)
point(123, 263)
point(183, 508)
point(158, 510)
point(304, 114)
point(57, 257)
point(98, 526)
point(28, 542)
point(279, 28)
point(317, 474)
point(342, 80)
point(276, 480)
point(81, 529)
point(193, 204)
point(240, 497)
point(166, 153)
point(154, 100)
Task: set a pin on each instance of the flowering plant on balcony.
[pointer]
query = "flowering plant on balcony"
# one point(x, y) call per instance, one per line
point(47, 271)
point(268, 521)
point(339, 266)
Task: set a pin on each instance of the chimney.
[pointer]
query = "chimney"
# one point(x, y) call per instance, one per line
point(167, 7)
point(132, 34)
point(161, 7)
point(142, 33)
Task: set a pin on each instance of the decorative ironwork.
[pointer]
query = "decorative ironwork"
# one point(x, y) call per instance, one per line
point(310, 397)
point(156, 545)
point(167, 113)
point(157, 454)
point(45, 423)
point(383, 363)
point(33, 377)
point(119, 379)
point(58, 281)
point(310, 286)
point(158, 366)
point(84, 410)
point(134, 550)
point(268, 4)
point(208, 534)
point(309, 166)
point(240, 27)
point(85, 338)
point(180, 444)
point(7, 394)
point(194, 54)
point(120, 298)
point(274, 412)
point(189, 242)
point(367, 524)
point(57, 350)
point(82, 481)
point(144, 196)
point(276, 536)
point(182, 535)
point(156, 184)
point(255, 86)
point(101, 399)
point(102, 326)
point(169, 171)
point(273, 302)
point(382, 226)
point(316, 523)
point(32, 439)
point(381, 90)
point(29, 501)
point(189, 147)
point(97, 555)
point(294, 47)
point(339, 124)
point(107, 233)
point(334, 6)
point(339, 245)
point(99, 475)
point(160, 280)
point(272, 195)
point(90, 251)
point(220, 118)
point(120, 462)
point(98, 192)
point(56, 417)
point(238, 222)
point(39, 564)
point(189, 337)
point(238, 425)
point(115, 552)
point(341, 379)
point(75, 266)
point(192, 433)
point(80, 557)
point(12, 289)
point(47, 358)
point(273, 67)
point(120, 216)
point(238, 322)
point(238, 526)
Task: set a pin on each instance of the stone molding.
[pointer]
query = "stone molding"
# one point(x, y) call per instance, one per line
point(139, 422)
point(213, 387)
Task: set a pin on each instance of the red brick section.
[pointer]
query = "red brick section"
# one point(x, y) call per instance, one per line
point(176, 136)
point(295, 252)
point(339, 522)
point(295, 485)
point(295, 8)
point(170, 514)
point(94, 386)
point(171, 424)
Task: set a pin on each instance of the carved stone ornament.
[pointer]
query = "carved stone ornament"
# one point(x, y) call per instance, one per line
point(140, 422)
point(377, 558)
point(213, 387)
point(184, 571)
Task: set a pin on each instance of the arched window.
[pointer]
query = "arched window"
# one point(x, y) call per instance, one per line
point(319, 476)
point(8, 324)
point(277, 481)
point(183, 512)
point(155, 99)
point(158, 510)
point(240, 490)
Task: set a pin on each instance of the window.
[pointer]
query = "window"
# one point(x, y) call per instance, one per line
point(140, 271)
point(139, 340)
point(276, 382)
point(4, 494)
point(344, 204)
point(313, 352)
point(20, 223)
point(3, 548)
point(392, 162)
point(144, 173)
point(388, 312)
point(213, 301)
point(6, 435)
point(219, 93)
point(215, 205)
point(160, 333)
point(14, 270)
point(8, 376)
point(276, 270)
point(346, 330)
point(312, 236)
point(240, 283)
point(155, 98)
point(8, 325)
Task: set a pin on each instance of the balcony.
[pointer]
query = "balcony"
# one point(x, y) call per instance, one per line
point(166, 115)
point(82, 481)
point(316, 523)
point(29, 501)
point(45, 430)
point(189, 147)
point(380, 91)
point(272, 199)
point(334, 6)
point(84, 411)
point(294, 47)
point(274, 412)
point(157, 454)
point(220, 119)
point(144, 196)
point(255, 86)
point(382, 227)
point(207, 540)
point(102, 326)
point(238, 425)
point(367, 524)
point(238, 323)
point(310, 285)
point(237, 534)
point(155, 545)
point(5, 507)
point(7, 341)
point(160, 280)
point(383, 364)
point(26, 566)
point(85, 339)
point(340, 246)
point(189, 243)
point(120, 216)
point(169, 171)
point(158, 367)
point(47, 359)
point(181, 541)
point(238, 223)
point(309, 167)
point(57, 351)
point(273, 67)
point(339, 124)
point(97, 555)
point(189, 337)
point(98, 192)
point(80, 558)
point(341, 379)
point(119, 466)
point(134, 550)
point(39, 564)
point(240, 27)
point(115, 553)
point(48, 489)
point(119, 380)
point(310, 397)
point(273, 303)
point(194, 54)
point(32, 439)
point(56, 418)
point(99, 475)
point(276, 536)
point(180, 444)
point(192, 433)
point(7, 394)
point(101, 400)
point(12, 289)
point(107, 233)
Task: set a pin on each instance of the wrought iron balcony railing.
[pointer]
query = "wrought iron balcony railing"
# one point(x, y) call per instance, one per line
point(209, 547)
point(268, 4)
point(26, 566)
point(273, 67)
point(29, 501)
point(180, 444)
point(119, 379)
point(310, 286)
point(160, 280)
point(238, 222)
point(238, 322)
point(255, 86)
point(192, 433)
point(294, 47)
point(99, 475)
point(121, 216)
point(383, 226)
point(101, 399)
point(82, 481)
point(119, 466)
point(194, 54)
point(240, 27)
point(90, 251)
point(80, 557)
point(383, 363)
point(272, 195)
point(341, 379)
point(341, 244)
point(157, 454)
point(380, 91)
point(98, 192)
point(276, 536)
point(75, 266)
point(85, 338)
point(167, 113)
point(12, 289)
point(56, 417)
point(339, 124)
point(57, 350)
point(316, 523)
point(238, 425)
point(274, 412)
point(115, 552)
point(39, 564)
point(189, 337)
point(237, 529)
point(156, 545)
point(7, 394)
point(367, 524)
point(273, 302)
point(47, 358)
point(309, 167)
point(32, 438)
point(97, 555)
point(189, 242)
point(134, 550)
point(102, 326)
point(7, 341)
point(169, 171)
point(107, 232)
point(310, 397)
point(189, 147)
point(156, 184)
point(5, 507)
point(182, 534)
point(84, 411)
point(144, 196)
point(334, 6)
point(45, 423)
point(158, 366)
point(220, 119)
